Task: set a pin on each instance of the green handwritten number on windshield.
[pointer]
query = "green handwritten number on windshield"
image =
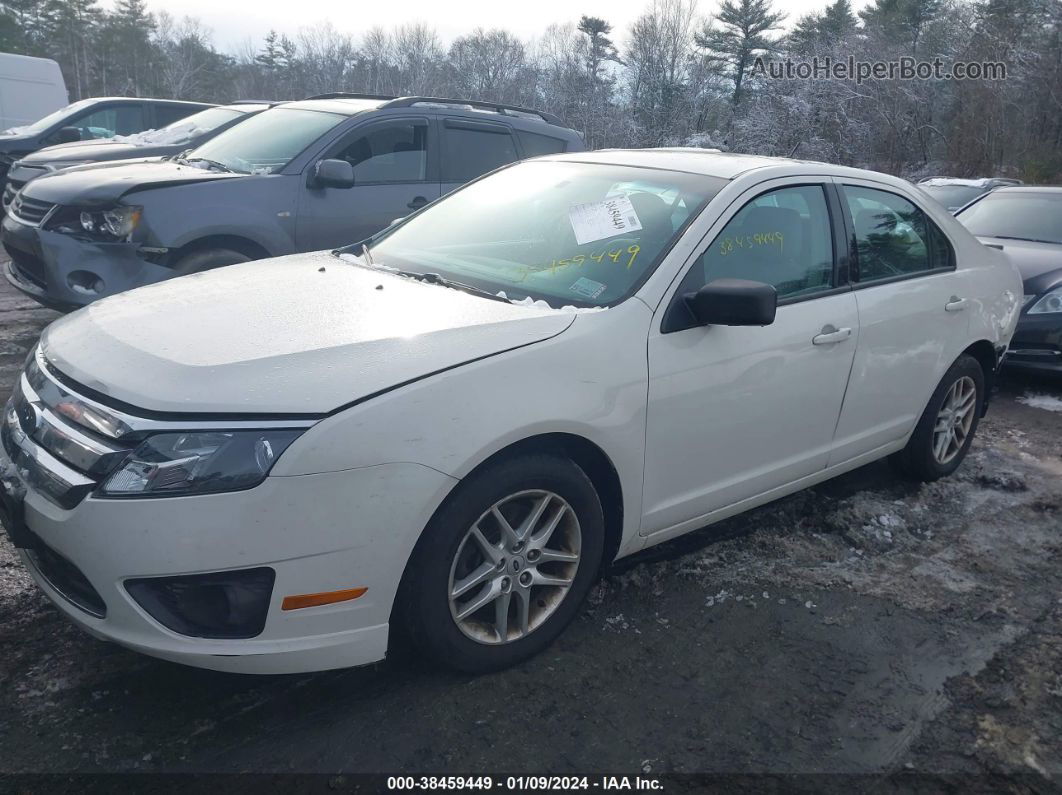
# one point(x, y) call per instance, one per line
point(633, 251)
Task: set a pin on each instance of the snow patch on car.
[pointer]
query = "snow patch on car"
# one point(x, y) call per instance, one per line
point(174, 134)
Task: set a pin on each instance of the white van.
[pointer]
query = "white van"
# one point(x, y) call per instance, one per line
point(30, 89)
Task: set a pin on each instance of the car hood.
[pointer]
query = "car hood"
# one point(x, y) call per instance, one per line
point(1031, 259)
point(98, 184)
point(304, 334)
point(98, 151)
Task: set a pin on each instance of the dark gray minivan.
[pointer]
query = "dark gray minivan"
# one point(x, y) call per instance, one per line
point(302, 176)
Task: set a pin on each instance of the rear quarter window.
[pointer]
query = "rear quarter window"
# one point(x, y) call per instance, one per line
point(534, 144)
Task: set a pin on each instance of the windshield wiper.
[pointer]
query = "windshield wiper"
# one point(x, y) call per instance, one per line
point(442, 281)
point(212, 164)
point(1026, 239)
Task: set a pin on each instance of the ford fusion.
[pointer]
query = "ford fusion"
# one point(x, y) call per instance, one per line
point(447, 432)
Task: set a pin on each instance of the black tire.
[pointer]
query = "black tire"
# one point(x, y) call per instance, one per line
point(917, 460)
point(424, 607)
point(208, 259)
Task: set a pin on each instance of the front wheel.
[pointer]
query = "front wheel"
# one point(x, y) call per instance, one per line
point(946, 429)
point(504, 566)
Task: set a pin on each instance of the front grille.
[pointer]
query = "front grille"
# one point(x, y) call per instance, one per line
point(13, 186)
point(66, 578)
point(29, 211)
point(30, 267)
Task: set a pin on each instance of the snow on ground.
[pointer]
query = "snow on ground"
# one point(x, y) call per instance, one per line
point(1040, 401)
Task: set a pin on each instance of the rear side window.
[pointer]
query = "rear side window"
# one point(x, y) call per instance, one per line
point(781, 238)
point(389, 153)
point(893, 237)
point(534, 144)
point(469, 152)
point(168, 114)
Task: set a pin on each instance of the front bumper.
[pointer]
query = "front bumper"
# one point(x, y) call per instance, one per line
point(1037, 344)
point(318, 533)
point(61, 271)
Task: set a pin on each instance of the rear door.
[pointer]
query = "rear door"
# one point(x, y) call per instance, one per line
point(471, 148)
point(395, 172)
point(912, 315)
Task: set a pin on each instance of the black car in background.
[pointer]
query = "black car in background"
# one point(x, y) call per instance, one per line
point(171, 139)
point(91, 119)
point(1026, 224)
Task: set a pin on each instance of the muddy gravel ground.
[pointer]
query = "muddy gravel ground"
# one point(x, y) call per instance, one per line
point(866, 626)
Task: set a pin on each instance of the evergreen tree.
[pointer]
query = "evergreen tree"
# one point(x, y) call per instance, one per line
point(743, 34)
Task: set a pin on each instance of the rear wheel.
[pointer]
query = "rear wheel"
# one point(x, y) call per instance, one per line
point(208, 259)
point(946, 429)
point(504, 566)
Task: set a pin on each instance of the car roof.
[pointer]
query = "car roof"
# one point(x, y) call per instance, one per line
point(249, 107)
point(343, 105)
point(149, 99)
point(941, 182)
point(713, 163)
point(351, 105)
point(1049, 189)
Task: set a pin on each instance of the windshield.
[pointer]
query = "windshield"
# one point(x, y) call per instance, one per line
point(1024, 216)
point(268, 142)
point(53, 118)
point(566, 233)
point(953, 195)
point(205, 120)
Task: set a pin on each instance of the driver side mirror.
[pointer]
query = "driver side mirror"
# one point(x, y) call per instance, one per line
point(67, 135)
point(733, 302)
point(333, 174)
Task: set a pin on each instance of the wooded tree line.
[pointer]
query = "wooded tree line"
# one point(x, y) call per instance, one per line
point(682, 74)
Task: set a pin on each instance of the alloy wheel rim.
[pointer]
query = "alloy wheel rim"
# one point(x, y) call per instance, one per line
point(514, 567)
point(954, 420)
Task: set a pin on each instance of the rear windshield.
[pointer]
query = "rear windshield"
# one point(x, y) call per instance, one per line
point(1021, 216)
point(55, 117)
point(266, 143)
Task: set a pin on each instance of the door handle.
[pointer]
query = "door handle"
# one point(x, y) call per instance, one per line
point(417, 203)
point(830, 335)
point(955, 304)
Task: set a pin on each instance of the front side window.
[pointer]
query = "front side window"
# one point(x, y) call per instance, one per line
point(109, 122)
point(781, 238)
point(469, 153)
point(396, 152)
point(583, 234)
point(266, 143)
point(893, 237)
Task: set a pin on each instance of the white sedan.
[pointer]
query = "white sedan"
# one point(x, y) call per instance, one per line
point(450, 429)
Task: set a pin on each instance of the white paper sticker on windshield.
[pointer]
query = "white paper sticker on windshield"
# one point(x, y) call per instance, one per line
point(598, 220)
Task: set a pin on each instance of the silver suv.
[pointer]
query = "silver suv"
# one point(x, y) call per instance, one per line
point(302, 176)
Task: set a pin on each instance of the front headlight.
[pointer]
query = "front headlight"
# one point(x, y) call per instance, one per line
point(1050, 302)
point(198, 462)
point(116, 223)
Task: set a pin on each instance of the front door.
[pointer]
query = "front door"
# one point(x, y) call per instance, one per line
point(737, 411)
point(394, 174)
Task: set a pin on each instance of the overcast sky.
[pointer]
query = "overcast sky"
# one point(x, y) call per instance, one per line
point(236, 21)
